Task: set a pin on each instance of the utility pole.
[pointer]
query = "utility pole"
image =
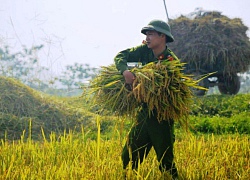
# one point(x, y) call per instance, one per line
point(166, 10)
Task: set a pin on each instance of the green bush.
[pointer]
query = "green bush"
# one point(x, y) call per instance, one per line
point(221, 105)
point(239, 123)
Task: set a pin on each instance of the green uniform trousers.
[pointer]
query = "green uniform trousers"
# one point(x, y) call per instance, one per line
point(148, 133)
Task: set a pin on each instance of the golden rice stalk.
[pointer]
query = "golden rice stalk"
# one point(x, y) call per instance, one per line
point(108, 91)
point(161, 86)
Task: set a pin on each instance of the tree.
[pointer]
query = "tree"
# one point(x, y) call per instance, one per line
point(23, 66)
point(77, 75)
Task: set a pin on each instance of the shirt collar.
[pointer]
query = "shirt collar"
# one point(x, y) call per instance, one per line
point(163, 55)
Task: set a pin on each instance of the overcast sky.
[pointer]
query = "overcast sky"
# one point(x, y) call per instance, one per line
point(93, 32)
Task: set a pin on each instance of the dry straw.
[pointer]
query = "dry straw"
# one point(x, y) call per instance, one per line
point(212, 42)
point(161, 86)
point(20, 104)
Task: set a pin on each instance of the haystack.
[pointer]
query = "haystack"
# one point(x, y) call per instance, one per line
point(212, 42)
point(21, 105)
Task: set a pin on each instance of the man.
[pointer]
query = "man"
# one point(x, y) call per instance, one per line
point(148, 132)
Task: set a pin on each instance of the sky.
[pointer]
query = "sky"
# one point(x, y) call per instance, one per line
point(93, 32)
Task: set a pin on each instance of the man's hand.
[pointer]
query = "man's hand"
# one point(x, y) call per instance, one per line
point(129, 77)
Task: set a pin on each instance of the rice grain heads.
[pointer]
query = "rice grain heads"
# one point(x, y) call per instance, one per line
point(162, 86)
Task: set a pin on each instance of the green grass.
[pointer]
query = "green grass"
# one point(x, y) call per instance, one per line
point(74, 156)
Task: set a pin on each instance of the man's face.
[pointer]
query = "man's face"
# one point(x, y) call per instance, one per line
point(153, 39)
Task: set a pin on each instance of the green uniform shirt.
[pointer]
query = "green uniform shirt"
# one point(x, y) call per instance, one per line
point(141, 54)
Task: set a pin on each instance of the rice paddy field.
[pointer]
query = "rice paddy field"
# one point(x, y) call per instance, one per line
point(33, 144)
point(74, 156)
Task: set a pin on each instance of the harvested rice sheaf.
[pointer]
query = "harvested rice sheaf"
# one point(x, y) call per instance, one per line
point(162, 86)
point(212, 42)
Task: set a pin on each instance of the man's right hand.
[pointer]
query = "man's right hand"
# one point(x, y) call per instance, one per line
point(129, 77)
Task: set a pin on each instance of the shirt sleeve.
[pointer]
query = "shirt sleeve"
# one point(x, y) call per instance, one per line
point(134, 54)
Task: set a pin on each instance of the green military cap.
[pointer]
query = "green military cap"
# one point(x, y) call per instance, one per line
point(159, 26)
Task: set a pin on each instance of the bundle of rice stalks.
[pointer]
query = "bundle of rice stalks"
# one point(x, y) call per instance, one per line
point(161, 86)
point(109, 91)
point(212, 42)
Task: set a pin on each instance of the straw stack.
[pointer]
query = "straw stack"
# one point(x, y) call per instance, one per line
point(212, 42)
